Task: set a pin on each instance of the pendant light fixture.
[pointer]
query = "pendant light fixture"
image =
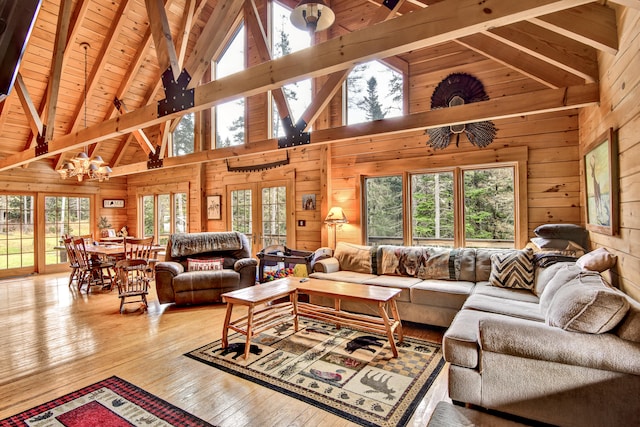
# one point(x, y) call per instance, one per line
point(81, 165)
point(312, 16)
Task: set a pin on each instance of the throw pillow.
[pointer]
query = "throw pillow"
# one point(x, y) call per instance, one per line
point(353, 257)
point(586, 304)
point(401, 260)
point(512, 269)
point(563, 231)
point(565, 274)
point(598, 260)
point(204, 264)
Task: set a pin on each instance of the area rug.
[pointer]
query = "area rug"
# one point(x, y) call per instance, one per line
point(109, 403)
point(347, 372)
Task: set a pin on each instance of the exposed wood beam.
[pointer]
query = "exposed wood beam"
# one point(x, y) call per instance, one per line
point(60, 45)
point(592, 24)
point(516, 59)
point(543, 101)
point(416, 30)
point(138, 134)
point(549, 46)
point(212, 40)
point(162, 39)
point(27, 105)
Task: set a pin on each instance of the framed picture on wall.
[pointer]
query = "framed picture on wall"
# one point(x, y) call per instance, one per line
point(214, 207)
point(601, 184)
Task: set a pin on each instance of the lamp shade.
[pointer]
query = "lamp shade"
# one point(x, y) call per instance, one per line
point(312, 16)
point(336, 216)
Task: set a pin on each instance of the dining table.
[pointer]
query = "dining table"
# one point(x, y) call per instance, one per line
point(115, 250)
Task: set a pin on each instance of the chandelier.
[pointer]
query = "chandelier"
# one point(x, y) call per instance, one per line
point(81, 165)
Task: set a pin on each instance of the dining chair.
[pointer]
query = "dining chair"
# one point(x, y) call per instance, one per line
point(71, 258)
point(92, 271)
point(132, 281)
point(140, 248)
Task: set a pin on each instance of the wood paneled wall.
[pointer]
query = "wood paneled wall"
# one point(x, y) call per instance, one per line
point(619, 109)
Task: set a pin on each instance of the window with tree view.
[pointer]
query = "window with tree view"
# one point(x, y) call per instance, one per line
point(182, 140)
point(384, 209)
point(374, 92)
point(164, 214)
point(288, 39)
point(486, 218)
point(64, 215)
point(230, 115)
point(16, 232)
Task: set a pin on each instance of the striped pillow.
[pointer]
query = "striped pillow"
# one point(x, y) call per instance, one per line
point(512, 269)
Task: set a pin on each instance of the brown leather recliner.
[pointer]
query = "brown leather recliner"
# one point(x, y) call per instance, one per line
point(174, 283)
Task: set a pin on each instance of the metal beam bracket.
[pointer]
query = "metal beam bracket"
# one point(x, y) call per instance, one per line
point(295, 134)
point(390, 4)
point(42, 146)
point(177, 96)
point(154, 162)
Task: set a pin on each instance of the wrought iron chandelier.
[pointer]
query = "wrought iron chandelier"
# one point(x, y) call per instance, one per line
point(81, 166)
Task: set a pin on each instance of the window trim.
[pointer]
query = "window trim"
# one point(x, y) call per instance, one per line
point(515, 157)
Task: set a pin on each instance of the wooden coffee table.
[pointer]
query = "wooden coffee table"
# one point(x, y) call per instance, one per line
point(383, 298)
point(260, 318)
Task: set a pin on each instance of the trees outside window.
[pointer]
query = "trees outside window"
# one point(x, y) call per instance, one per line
point(485, 219)
point(374, 92)
point(288, 39)
point(162, 215)
point(16, 233)
point(182, 138)
point(230, 116)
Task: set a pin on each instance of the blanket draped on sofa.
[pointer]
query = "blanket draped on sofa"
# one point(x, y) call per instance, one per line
point(197, 243)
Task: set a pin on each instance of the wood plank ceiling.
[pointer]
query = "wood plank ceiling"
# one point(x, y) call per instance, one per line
point(551, 42)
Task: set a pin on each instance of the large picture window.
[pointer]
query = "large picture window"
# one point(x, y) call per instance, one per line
point(163, 215)
point(456, 207)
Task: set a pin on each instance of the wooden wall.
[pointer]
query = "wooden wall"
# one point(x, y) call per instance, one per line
point(619, 108)
point(550, 142)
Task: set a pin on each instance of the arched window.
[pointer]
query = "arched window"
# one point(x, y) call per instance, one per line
point(230, 123)
point(287, 39)
point(374, 92)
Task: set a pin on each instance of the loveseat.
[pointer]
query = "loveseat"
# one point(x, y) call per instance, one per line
point(199, 267)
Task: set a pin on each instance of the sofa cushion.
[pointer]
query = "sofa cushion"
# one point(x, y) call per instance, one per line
point(587, 304)
point(572, 232)
point(483, 263)
point(344, 276)
point(441, 293)
point(512, 308)
point(513, 269)
point(598, 260)
point(403, 283)
point(543, 275)
point(201, 280)
point(484, 288)
point(564, 274)
point(353, 257)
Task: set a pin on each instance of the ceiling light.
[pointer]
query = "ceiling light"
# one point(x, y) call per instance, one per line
point(312, 16)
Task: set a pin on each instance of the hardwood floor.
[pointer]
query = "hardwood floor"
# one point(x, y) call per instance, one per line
point(56, 340)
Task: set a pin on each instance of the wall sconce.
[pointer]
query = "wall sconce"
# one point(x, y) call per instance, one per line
point(312, 16)
point(335, 216)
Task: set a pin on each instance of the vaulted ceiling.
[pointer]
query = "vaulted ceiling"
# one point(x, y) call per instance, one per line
point(554, 43)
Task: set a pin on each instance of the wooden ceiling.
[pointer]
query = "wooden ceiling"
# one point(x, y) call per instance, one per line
point(552, 43)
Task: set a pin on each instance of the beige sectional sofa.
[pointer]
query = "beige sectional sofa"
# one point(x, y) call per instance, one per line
point(564, 352)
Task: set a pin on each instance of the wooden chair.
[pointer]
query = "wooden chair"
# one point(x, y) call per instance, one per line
point(71, 257)
point(133, 281)
point(140, 248)
point(90, 270)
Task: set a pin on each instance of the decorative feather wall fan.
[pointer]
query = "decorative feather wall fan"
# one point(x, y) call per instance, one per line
point(459, 89)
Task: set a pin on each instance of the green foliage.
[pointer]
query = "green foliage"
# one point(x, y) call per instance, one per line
point(370, 103)
point(183, 135)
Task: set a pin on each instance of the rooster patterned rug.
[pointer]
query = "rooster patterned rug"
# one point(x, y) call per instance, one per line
point(109, 403)
point(347, 372)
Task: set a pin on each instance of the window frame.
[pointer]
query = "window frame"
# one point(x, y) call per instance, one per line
point(160, 190)
point(515, 157)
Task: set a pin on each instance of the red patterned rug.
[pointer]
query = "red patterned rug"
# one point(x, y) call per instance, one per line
point(109, 403)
